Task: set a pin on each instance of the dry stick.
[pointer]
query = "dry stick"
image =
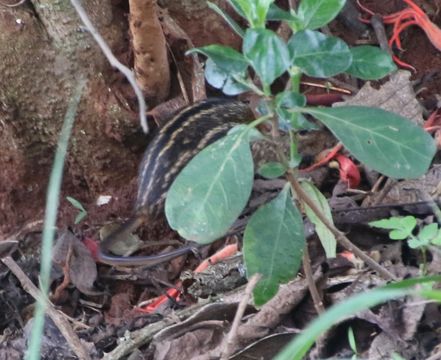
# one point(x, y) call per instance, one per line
point(72, 339)
point(316, 298)
point(144, 335)
point(114, 62)
point(340, 237)
point(21, 2)
point(232, 335)
point(380, 33)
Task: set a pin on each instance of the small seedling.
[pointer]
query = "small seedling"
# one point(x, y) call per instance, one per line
point(352, 343)
point(82, 213)
point(402, 228)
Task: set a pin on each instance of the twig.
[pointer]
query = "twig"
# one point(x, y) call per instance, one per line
point(340, 237)
point(114, 62)
point(329, 86)
point(66, 271)
point(232, 335)
point(143, 336)
point(21, 2)
point(380, 33)
point(66, 330)
point(316, 298)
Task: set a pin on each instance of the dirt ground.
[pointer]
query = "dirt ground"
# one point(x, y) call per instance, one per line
point(102, 301)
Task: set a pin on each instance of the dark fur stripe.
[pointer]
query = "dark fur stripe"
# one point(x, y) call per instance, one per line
point(178, 142)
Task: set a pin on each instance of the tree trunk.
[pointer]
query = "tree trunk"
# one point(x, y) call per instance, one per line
point(43, 49)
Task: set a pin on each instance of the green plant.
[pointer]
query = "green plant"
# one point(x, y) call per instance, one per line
point(274, 237)
point(402, 228)
point(50, 217)
point(352, 343)
point(300, 345)
point(82, 212)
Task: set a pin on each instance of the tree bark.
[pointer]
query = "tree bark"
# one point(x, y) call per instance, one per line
point(43, 49)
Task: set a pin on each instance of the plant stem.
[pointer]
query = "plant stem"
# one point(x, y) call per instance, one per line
point(316, 298)
point(295, 76)
point(340, 237)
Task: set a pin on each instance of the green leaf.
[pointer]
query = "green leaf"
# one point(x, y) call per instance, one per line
point(319, 55)
point(277, 14)
point(428, 232)
point(317, 13)
point(370, 63)
point(272, 170)
point(211, 191)
point(415, 243)
point(351, 339)
point(80, 216)
point(401, 227)
point(224, 57)
point(297, 348)
point(384, 141)
point(294, 157)
point(437, 239)
point(396, 356)
point(254, 11)
point(267, 53)
point(326, 237)
point(82, 211)
point(221, 79)
point(273, 245)
point(287, 100)
point(425, 236)
point(228, 19)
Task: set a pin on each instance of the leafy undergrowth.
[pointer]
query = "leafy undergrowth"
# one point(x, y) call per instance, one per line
point(386, 169)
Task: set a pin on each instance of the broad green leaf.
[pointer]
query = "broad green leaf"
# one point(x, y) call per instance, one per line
point(326, 237)
point(298, 347)
point(277, 14)
point(212, 190)
point(214, 75)
point(401, 226)
point(317, 13)
point(384, 141)
point(228, 19)
point(437, 239)
point(221, 79)
point(238, 6)
point(224, 57)
point(232, 87)
point(267, 54)
point(253, 10)
point(425, 236)
point(288, 119)
point(319, 55)
point(273, 245)
point(370, 63)
point(415, 243)
point(272, 170)
point(428, 232)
